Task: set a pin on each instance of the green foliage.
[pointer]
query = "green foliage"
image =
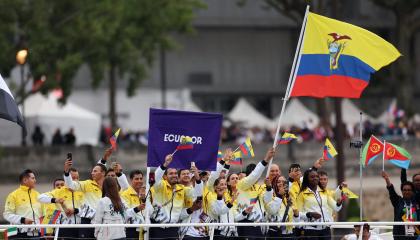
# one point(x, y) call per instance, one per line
point(127, 34)
point(61, 35)
point(353, 211)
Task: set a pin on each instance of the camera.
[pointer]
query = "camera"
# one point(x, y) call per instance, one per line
point(356, 144)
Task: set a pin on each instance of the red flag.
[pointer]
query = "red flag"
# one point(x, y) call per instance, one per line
point(372, 149)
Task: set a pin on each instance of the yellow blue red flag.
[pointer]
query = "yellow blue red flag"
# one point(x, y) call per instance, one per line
point(286, 138)
point(329, 150)
point(114, 138)
point(246, 148)
point(337, 58)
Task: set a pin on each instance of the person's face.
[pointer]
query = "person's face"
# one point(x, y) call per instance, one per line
point(29, 181)
point(274, 171)
point(97, 173)
point(137, 182)
point(280, 185)
point(407, 192)
point(241, 175)
point(172, 176)
point(142, 192)
point(295, 174)
point(416, 182)
point(365, 234)
point(233, 180)
point(323, 181)
point(221, 186)
point(58, 184)
point(184, 176)
point(222, 174)
point(111, 174)
point(313, 179)
point(205, 178)
point(74, 175)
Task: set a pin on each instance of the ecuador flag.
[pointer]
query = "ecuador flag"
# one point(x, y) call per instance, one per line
point(113, 139)
point(397, 155)
point(337, 58)
point(246, 148)
point(186, 143)
point(329, 150)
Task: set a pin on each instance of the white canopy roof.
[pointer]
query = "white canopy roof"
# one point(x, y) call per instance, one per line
point(296, 114)
point(351, 114)
point(50, 115)
point(246, 113)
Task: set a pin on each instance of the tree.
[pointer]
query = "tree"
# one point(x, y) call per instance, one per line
point(49, 30)
point(407, 23)
point(125, 36)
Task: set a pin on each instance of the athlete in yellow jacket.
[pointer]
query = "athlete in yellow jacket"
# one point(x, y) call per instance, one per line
point(22, 206)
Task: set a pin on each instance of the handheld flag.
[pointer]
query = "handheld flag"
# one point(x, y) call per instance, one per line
point(185, 143)
point(253, 201)
point(237, 159)
point(219, 155)
point(348, 193)
point(113, 139)
point(8, 107)
point(246, 148)
point(397, 155)
point(286, 138)
point(337, 58)
point(371, 151)
point(329, 150)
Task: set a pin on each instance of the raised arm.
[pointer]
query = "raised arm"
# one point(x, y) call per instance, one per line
point(393, 196)
point(253, 177)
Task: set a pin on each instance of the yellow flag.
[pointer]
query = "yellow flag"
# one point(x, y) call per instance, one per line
point(349, 193)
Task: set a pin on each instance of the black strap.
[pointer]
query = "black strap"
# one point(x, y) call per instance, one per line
point(319, 204)
point(286, 212)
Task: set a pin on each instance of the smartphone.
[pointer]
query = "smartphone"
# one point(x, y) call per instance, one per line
point(70, 156)
point(192, 164)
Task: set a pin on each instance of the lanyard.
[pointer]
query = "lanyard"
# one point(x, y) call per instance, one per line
point(318, 195)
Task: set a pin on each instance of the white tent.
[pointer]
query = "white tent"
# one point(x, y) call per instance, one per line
point(296, 114)
point(133, 112)
point(351, 114)
point(387, 116)
point(50, 115)
point(246, 113)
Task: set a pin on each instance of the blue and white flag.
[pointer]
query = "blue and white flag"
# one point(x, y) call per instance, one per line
point(8, 107)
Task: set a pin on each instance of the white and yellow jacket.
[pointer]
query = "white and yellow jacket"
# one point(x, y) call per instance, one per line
point(318, 201)
point(20, 204)
point(248, 190)
point(169, 203)
point(276, 211)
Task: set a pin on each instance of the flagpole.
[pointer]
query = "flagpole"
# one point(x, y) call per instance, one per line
point(146, 234)
point(360, 168)
point(383, 158)
point(291, 81)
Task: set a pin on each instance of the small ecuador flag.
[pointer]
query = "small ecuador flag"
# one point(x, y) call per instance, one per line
point(186, 143)
point(397, 155)
point(113, 139)
point(253, 201)
point(246, 148)
point(329, 150)
point(337, 58)
point(219, 155)
point(348, 193)
point(237, 160)
point(371, 151)
point(286, 138)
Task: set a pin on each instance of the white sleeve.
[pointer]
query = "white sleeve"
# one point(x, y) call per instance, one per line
point(99, 212)
point(159, 174)
point(213, 176)
point(268, 196)
point(333, 204)
point(239, 217)
point(219, 207)
point(198, 189)
point(274, 206)
point(184, 214)
point(252, 178)
point(71, 184)
point(44, 198)
point(123, 182)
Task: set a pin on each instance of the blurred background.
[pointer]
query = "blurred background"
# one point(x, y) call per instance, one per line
point(86, 68)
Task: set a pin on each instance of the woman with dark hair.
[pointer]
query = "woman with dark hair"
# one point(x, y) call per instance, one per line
point(232, 180)
point(222, 209)
point(279, 208)
point(111, 210)
point(312, 204)
point(406, 209)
